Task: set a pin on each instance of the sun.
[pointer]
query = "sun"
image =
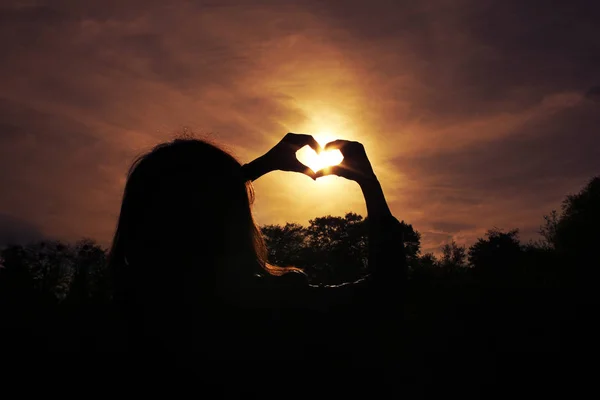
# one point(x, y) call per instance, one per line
point(315, 161)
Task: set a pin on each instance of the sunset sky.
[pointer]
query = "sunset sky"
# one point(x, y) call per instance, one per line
point(475, 113)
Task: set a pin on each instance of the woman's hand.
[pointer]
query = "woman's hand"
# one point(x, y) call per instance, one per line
point(282, 157)
point(355, 165)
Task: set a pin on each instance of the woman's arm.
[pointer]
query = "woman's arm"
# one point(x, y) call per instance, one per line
point(367, 315)
point(340, 317)
point(282, 157)
point(256, 168)
point(387, 261)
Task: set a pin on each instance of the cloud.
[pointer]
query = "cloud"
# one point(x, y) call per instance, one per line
point(432, 242)
point(16, 231)
point(450, 227)
point(511, 182)
point(474, 113)
point(593, 93)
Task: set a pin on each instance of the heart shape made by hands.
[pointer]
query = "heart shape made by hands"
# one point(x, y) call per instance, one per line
point(316, 162)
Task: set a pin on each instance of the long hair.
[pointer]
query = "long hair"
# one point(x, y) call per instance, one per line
point(186, 221)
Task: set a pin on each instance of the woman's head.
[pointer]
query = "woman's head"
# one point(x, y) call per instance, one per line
point(186, 214)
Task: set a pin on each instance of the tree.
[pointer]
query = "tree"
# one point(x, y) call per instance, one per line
point(575, 231)
point(412, 242)
point(428, 260)
point(16, 280)
point(424, 268)
point(331, 249)
point(49, 264)
point(548, 230)
point(574, 235)
point(337, 248)
point(286, 244)
point(497, 254)
point(90, 272)
point(453, 256)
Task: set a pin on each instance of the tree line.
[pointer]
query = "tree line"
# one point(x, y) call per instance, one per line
point(39, 278)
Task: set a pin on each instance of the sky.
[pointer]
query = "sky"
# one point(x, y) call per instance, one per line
point(474, 113)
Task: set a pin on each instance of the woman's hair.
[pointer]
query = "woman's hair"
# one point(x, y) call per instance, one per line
point(186, 220)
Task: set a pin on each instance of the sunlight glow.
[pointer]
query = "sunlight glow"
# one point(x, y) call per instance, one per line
point(315, 161)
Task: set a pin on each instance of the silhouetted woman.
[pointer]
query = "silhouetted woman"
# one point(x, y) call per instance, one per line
point(190, 269)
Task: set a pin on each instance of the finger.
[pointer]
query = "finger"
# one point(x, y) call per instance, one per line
point(303, 169)
point(312, 142)
point(336, 145)
point(301, 140)
point(334, 170)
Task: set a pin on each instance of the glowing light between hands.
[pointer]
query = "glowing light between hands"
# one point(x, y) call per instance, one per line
point(316, 162)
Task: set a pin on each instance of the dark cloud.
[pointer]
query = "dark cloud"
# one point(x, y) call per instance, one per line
point(510, 182)
point(474, 111)
point(451, 227)
point(494, 56)
point(16, 231)
point(9, 131)
point(593, 93)
point(431, 242)
point(54, 171)
point(559, 146)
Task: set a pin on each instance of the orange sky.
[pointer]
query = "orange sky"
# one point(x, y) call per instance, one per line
point(475, 114)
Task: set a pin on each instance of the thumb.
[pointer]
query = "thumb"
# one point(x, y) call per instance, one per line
point(333, 170)
point(299, 167)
